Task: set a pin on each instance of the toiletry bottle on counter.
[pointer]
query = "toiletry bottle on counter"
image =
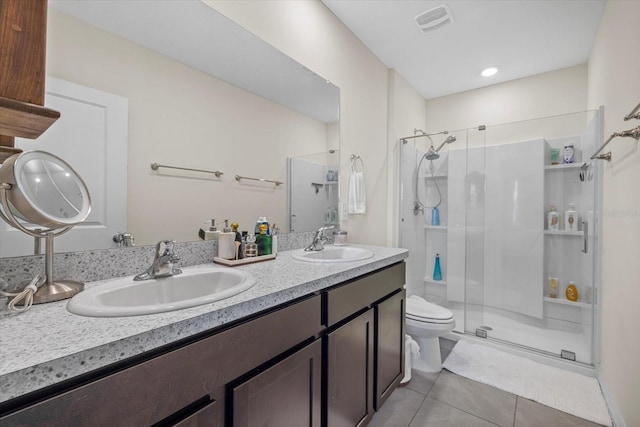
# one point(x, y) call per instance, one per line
point(435, 216)
point(261, 220)
point(263, 241)
point(238, 240)
point(250, 248)
point(339, 238)
point(274, 238)
point(571, 219)
point(553, 219)
point(226, 242)
point(437, 271)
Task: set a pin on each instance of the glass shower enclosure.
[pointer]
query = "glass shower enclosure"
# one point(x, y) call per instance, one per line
point(506, 274)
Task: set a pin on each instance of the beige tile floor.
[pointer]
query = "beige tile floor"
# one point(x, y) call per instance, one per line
point(449, 400)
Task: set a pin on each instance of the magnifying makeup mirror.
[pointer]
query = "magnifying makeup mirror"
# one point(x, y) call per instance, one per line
point(38, 188)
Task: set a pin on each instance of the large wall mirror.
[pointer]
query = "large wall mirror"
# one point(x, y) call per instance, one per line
point(178, 84)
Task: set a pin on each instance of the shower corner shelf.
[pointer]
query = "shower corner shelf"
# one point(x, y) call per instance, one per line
point(435, 227)
point(563, 166)
point(564, 233)
point(563, 301)
point(436, 176)
point(437, 282)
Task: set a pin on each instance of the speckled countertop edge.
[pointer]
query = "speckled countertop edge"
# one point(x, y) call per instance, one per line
point(47, 344)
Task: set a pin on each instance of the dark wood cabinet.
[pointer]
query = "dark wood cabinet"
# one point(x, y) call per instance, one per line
point(171, 384)
point(365, 354)
point(389, 346)
point(329, 359)
point(350, 373)
point(286, 394)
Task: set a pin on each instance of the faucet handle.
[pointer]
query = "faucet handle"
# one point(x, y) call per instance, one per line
point(164, 247)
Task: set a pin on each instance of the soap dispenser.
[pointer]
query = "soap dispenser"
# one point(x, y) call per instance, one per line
point(226, 242)
point(211, 234)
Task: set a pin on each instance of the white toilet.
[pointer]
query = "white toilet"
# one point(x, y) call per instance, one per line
point(425, 323)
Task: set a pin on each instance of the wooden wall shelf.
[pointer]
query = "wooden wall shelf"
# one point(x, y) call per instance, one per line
point(25, 120)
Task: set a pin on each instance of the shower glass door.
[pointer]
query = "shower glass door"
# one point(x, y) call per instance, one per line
point(515, 173)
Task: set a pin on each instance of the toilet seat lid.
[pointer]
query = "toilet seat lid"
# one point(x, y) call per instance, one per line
point(419, 308)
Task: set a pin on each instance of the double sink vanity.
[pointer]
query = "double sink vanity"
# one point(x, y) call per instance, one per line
point(310, 338)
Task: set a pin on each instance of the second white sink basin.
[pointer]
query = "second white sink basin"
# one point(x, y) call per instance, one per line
point(126, 297)
point(334, 254)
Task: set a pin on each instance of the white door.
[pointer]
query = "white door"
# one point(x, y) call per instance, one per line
point(91, 135)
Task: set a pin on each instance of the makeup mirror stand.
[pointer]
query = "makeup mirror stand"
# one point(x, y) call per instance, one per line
point(51, 290)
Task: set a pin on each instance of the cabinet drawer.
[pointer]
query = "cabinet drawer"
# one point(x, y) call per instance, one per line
point(352, 297)
point(158, 388)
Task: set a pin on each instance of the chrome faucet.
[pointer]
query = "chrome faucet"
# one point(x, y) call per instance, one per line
point(318, 240)
point(163, 262)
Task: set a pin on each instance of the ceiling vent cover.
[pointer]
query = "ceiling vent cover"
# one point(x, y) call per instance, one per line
point(434, 18)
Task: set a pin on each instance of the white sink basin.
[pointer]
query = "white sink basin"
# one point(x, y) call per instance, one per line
point(126, 297)
point(334, 254)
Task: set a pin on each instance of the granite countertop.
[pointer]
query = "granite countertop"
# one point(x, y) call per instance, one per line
point(48, 344)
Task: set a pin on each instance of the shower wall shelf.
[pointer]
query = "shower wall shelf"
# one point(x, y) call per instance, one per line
point(436, 176)
point(435, 227)
point(563, 301)
point(563, 257)
point(564, 233)
point(563, 166)
point(429, 279)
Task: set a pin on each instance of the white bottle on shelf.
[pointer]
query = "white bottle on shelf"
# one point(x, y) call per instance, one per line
point(553, 219)
point(571, 219)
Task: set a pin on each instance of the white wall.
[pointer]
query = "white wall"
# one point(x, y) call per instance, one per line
point(407, 111)
point(556, 92)
point(309, 33)
point(614, 81)
point(180, 116)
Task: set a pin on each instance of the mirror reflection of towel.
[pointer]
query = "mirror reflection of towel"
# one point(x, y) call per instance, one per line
point(357, 197)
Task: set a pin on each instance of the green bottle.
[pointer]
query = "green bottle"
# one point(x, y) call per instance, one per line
point(263, 241)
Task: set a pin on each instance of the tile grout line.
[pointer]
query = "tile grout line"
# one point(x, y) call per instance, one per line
point(515, 410)
point(417, 410)
point(462, 410)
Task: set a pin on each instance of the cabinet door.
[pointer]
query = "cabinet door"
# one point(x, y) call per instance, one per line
point(208, 416)
point(287, 394)
point(389, 346)
point(350, 373)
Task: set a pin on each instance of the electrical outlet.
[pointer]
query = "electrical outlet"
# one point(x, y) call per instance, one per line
point(344, 211)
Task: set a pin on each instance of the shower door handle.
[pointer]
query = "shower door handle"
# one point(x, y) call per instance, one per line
point(585, 233)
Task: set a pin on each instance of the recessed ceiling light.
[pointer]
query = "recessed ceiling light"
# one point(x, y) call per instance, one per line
point(488, 72)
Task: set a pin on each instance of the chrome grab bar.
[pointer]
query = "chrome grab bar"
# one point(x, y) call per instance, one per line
point(238, 178)
point(156, 166)
point(585, 233)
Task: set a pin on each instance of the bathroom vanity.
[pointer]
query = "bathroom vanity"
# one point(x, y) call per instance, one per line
point(324, 349)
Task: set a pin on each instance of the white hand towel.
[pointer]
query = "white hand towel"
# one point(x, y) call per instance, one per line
point(357, 197)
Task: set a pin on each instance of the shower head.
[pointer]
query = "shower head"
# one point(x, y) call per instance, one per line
point(432, 154)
